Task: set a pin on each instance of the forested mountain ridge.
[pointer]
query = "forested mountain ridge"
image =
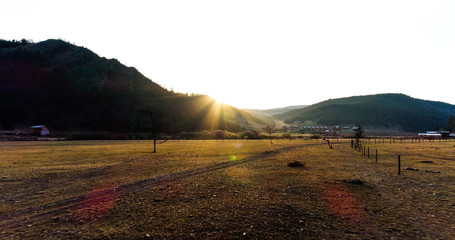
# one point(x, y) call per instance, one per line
point(381, 110)
point(71, 88)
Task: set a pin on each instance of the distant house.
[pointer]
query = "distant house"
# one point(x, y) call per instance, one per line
point(430, 135)
point(40, 130)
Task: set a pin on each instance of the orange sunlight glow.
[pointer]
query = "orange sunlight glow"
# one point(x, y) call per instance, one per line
point(214, 114)
point(97, 202)
point(212, 117)
point(343, 203)
point(217, 114)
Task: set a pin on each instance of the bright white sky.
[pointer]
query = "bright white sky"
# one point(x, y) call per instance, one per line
point(260, 54)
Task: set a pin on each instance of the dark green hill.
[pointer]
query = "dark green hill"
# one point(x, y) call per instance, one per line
point(382, 110)
point(71, 88)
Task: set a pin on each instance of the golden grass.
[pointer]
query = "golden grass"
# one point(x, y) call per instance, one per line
point(192, 191)
point(42, 172)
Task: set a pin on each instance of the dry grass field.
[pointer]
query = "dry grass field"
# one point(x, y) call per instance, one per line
point(226, 190)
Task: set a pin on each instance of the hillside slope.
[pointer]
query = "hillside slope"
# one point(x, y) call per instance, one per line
point(381, 110)
point(71, 88)
point(274, 111)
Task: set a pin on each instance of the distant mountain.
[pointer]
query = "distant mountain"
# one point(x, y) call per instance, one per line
point(381, 110)
point(274, 111)
point(71, 88)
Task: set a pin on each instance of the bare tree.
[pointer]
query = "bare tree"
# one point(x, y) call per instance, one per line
point(359, 133)
point(153, 117)
point(450, 124)
point(270, 130)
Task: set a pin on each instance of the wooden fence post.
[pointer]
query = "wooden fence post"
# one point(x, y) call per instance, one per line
point(376, 156)
point(368, 152)
point(399, 165)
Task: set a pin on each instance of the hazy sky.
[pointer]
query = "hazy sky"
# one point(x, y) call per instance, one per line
point(260, 54)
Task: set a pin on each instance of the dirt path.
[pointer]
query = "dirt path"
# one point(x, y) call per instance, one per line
point(97, 200)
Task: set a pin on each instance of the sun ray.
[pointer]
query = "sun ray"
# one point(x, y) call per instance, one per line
point(212, 117)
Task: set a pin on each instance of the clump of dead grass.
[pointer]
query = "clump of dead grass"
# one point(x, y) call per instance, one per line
point(354, 181)
point(427, 161)
point(296, 164)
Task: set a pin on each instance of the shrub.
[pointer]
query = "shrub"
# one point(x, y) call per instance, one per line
point(286, 135)
point(248, 135)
